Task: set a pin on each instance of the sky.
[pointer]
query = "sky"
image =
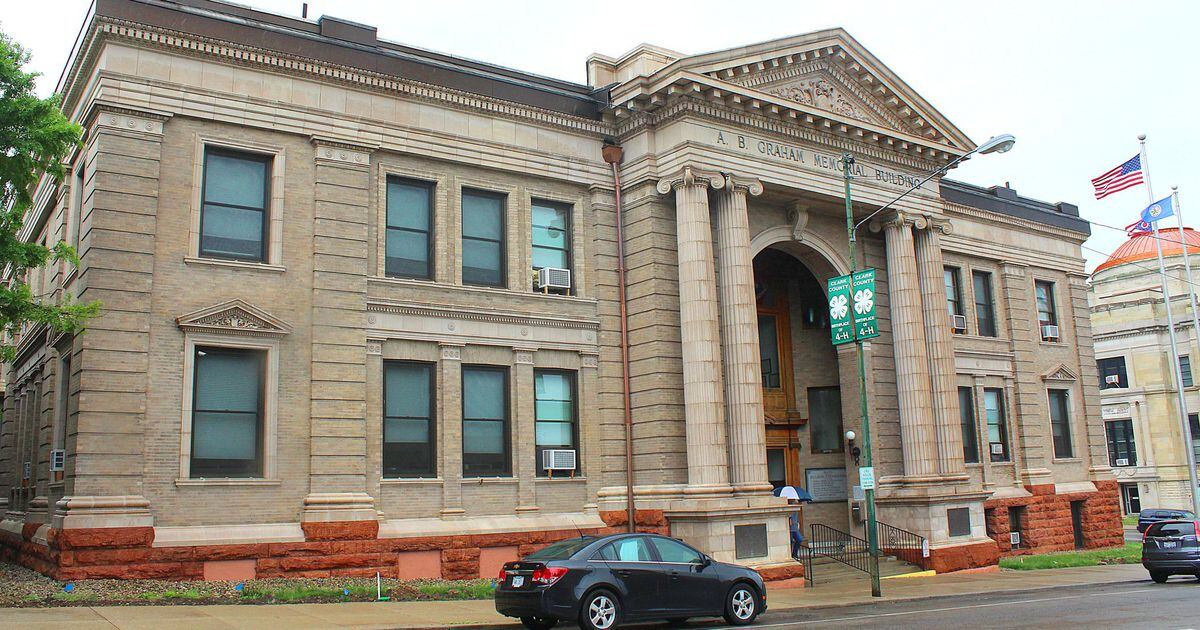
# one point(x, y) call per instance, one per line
point(1076, 82)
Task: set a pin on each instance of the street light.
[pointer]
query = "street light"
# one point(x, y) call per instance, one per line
point(996, 144)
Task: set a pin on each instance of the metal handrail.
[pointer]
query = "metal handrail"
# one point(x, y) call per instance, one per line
point(900, 543)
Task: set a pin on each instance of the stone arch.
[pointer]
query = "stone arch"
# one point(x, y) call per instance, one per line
point(816, 252)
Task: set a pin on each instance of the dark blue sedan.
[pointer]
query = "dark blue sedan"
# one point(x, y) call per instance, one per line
point(1171, 548)
point(602, 582)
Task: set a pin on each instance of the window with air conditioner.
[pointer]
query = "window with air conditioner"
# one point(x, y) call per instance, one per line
point(1047, 313)
point(954, 299)
point(997, 428)
point(1112, 373)
point(551, 246)
point(556, 432)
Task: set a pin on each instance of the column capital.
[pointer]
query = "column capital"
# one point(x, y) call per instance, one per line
point(690, 176)
point(899, 218)
point(746, 185)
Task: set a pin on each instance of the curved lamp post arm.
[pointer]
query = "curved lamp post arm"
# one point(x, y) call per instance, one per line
point(996, 144)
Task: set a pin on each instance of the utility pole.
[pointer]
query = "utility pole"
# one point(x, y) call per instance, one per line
point(872, 527)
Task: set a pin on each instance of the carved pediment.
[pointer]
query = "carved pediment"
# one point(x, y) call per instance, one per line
point(822, 93)
point(234, 317)
point(1060, 373)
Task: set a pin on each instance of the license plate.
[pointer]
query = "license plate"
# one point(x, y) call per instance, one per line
point(1170, 545)
point(518, 580)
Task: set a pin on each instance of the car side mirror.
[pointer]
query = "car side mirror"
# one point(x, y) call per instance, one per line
point(705, 561)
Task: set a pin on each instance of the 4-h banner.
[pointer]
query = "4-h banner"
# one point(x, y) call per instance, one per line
point(852, 307)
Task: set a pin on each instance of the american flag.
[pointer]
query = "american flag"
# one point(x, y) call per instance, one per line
point(1124, 176)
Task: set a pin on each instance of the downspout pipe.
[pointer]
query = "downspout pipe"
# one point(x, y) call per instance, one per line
point(613, 154)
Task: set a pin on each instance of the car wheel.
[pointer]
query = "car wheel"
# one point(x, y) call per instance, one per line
point(539, 623)
point(1159, 578)
point(741, 605)
point(600, 611)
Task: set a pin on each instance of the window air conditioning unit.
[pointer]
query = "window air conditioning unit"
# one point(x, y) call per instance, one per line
point(554, 278)
point(58, 460)
point(558, 459)
point(959, 323)
point(1123, 461)
point(1049, 333)
point(1014, 539)
point(1113, 379)
point(997, 448)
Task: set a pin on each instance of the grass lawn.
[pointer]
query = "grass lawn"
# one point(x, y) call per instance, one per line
point(1131, 553)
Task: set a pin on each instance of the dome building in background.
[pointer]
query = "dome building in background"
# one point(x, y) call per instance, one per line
point(1138, 398)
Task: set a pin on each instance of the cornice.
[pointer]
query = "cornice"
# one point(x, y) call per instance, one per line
point(457, 312)
point(996, 217)
point(721, 113)
point(244, 56)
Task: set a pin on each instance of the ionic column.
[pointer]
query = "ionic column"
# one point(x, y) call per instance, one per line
point(917, 436)
point(739, 337)
point(941, 350)
point(703, 400)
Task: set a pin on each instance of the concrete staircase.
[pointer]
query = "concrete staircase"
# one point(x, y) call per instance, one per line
point(826, 570)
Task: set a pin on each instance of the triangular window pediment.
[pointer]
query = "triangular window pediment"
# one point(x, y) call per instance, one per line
point(1060, 373)
point(234, 317)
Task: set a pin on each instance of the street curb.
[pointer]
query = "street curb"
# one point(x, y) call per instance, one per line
point(918, 598)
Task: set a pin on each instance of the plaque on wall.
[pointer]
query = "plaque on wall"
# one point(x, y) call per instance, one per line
point(750, 541)
point(826, 484)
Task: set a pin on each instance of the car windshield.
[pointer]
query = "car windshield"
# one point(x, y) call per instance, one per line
point(561, 550)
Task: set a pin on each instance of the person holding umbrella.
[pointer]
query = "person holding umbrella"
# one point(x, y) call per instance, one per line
point(794, 496)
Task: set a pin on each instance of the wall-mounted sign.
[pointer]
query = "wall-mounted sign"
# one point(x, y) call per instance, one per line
point(841, 327)
point(826, 484)
point(863, 289)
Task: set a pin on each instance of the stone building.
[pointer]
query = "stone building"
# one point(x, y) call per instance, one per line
point(326, 347)
point(1138, 396)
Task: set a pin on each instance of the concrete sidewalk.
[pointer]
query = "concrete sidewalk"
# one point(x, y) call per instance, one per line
point(482, 615)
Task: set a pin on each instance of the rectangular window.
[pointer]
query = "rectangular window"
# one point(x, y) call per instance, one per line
point(233, 205)
point(408, 425)
point(1112, 372)
point(1047, 316)
point(768, 351)
point(966, 413)
point(953, 292)
point(485, 422)
point(1194, 423)
point(554, 412)
point(76, 219)
point(227, 412)
point(1060, 423)
point(1121, 448)
point(64, 398)
point(1185, 370)
point(985, 311)
point(409, 242)
point(551, 235)
point(997, 429)
point(483, 239)
point(825, 419)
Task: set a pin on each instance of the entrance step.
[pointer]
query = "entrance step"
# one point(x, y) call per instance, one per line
point(826, 570)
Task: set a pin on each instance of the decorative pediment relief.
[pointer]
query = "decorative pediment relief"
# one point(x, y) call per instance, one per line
point(234, 317)
point(1060, 373)
point(826, 88)
point(821, 93)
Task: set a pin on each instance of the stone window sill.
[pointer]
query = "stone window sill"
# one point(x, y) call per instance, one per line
point(404, 481)
point(1052, 343)
point(1066, 460)
point(561, 479)
point(234, 264)
point(227, 482)
point(486, 480)
point(415, 282)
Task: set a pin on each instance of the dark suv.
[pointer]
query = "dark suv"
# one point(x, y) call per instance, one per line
point(1171, 548)
point(1146, 518)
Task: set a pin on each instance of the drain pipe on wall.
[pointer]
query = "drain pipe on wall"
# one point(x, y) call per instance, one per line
point(612, 154)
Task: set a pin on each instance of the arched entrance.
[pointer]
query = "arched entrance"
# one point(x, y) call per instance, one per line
point(802, 377)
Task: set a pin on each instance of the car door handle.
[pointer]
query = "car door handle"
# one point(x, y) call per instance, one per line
point(623, 572)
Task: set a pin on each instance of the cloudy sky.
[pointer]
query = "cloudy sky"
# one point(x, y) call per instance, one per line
point(1075, 82)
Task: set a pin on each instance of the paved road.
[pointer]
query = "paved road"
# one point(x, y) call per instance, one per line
point(1142, 605)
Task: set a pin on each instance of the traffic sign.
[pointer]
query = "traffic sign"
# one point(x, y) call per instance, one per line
point(841, 325)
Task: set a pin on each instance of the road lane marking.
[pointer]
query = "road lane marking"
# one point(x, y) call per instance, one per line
point(937, 610)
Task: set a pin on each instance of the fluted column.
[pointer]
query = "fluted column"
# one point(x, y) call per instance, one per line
point(941, 350)
point(917, 436)
point(703, 399)
point(739, 338)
